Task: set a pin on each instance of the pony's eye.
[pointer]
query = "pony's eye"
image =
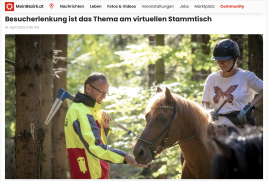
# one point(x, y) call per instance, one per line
point(163, 119)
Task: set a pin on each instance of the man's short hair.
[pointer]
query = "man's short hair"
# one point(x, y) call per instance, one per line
point(94, 77)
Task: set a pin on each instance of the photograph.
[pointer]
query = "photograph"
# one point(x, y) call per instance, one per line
point(133, 106)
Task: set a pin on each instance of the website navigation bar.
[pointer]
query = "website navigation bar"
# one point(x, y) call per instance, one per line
point(135, 7)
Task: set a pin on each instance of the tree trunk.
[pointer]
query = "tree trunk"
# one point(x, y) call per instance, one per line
point(58, 137)
point(159, 64)
point(239, 40)
point(29, 134)
point(151, 67)
point(255, 64)
point(196, 73)
point(10, 111)
point(199, 75)
point(47, 90)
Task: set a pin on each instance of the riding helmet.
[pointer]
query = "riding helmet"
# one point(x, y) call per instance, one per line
point(225, 50)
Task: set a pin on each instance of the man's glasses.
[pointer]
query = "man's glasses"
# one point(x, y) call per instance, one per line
point(102, 93)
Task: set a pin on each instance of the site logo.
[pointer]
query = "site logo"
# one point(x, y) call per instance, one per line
point(51, 5)
point(9, 6)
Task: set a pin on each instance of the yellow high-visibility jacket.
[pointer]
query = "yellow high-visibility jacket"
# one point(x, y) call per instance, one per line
point(88, 153)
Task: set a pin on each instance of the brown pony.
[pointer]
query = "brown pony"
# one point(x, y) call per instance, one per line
point(171, 118)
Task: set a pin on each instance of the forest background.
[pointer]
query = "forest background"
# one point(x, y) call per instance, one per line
point(134, 65)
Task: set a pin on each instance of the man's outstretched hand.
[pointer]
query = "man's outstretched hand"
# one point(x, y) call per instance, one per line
point(133, 162)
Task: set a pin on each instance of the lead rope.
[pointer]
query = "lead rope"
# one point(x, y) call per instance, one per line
point(172, 163)
point(154, 162)
point(179, 154)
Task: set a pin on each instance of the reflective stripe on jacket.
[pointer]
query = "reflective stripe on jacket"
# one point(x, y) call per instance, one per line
point(87, 149)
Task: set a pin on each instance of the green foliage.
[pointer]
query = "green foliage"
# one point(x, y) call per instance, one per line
point(94, 53)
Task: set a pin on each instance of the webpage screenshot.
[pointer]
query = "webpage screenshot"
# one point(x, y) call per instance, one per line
point(134, 89)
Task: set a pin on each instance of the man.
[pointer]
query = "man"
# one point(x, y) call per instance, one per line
point(86, 132)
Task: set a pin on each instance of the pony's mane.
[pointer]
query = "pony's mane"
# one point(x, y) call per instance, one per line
point(193, 112)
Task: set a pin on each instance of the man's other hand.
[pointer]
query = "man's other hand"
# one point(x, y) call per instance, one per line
point(105, 120)
point(133, 162)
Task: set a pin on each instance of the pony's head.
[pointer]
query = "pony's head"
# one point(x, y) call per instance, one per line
point(165, 113)
point(240, 155)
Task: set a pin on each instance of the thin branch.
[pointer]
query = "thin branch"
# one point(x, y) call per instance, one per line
point(10, 62)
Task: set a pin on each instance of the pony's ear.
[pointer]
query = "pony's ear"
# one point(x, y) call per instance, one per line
point(169, 97)
point(232, 130)
point(159, 90)
point(224, 149)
